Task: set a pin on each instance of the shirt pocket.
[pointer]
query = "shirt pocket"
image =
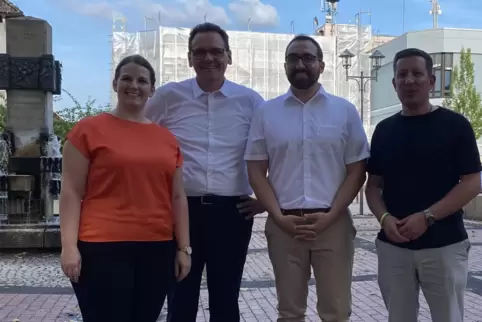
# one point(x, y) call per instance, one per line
point(327, 139)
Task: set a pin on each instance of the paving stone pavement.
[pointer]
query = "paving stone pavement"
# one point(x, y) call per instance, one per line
point(32, 287)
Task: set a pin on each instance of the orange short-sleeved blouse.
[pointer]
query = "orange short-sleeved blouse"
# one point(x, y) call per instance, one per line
point(128, 194)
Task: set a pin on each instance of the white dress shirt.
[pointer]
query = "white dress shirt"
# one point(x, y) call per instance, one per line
point(212, 131)
point(308, 147)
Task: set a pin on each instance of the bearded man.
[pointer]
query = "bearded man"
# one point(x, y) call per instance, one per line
point(315, 148)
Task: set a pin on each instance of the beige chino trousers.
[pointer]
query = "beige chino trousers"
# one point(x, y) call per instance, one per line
point(331, 257)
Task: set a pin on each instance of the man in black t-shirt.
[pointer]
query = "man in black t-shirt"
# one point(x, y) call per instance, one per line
point(423, 169)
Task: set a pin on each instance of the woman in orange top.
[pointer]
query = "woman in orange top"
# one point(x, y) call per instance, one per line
point(122, 201)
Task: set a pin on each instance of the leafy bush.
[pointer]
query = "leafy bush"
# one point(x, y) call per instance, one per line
point(68, 117)
point(464, 97)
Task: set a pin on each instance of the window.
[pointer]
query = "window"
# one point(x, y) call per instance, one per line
point(442, 69)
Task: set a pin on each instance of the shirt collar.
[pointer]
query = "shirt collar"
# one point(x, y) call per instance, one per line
point(321, 93)
point(226, 89)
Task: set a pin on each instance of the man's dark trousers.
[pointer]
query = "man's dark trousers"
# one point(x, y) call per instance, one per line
point(220, 238)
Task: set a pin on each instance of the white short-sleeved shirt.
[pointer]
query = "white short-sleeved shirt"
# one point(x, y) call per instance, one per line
point(212, 131)
point(308, 146)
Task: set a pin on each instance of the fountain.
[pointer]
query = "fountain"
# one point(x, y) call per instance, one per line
point(30, 158)
point(55, 169)
point(28, 189)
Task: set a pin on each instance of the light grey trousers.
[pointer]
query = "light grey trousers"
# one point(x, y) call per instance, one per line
point(441, 273)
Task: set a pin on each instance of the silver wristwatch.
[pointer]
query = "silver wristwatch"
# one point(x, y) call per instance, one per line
point(429, 217)
point(186, 250)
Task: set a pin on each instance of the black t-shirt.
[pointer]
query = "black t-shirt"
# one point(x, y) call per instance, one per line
point(420, 159)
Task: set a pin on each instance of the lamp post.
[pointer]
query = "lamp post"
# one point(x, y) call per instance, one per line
point(376, 58)
point(146, 18)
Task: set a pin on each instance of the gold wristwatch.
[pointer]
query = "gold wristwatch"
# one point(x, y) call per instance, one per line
point(186, 249)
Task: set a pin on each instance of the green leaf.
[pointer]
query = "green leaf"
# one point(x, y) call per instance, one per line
point(68, 117)
point(464, 97)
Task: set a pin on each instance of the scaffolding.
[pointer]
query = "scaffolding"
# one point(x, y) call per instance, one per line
point(258, 58)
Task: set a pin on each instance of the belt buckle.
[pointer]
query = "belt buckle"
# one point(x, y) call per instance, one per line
point(297, 213)
point(205, 203)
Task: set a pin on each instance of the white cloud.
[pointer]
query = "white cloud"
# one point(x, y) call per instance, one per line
point(179, 13)
point(185, 13)
point(258, 13)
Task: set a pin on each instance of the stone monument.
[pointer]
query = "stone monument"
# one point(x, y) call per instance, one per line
point(7, 10)
point(31, 76)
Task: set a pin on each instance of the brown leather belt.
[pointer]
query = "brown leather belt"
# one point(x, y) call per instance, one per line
point(303, 211)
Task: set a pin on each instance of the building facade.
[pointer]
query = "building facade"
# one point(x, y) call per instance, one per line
point(258, 58)
point(444, 46)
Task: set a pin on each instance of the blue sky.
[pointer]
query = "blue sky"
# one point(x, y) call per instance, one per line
point(81, 28)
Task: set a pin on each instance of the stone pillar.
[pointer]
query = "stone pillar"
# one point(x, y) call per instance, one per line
point(31, 77)
point(30, 104)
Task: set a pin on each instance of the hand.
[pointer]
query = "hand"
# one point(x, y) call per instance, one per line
point(70, 262)
point(288, 223)
point(183, 265)
point(413, 226)
point(315, 224)
point(391, 229)
point(250, 207)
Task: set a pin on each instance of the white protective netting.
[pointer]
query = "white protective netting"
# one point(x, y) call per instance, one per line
point(258, 58)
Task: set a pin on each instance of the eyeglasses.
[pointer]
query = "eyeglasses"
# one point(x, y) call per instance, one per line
point(307, 59)
point(201, 53)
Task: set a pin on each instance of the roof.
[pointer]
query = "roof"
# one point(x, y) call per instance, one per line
point(9, 10)
point(57, 117)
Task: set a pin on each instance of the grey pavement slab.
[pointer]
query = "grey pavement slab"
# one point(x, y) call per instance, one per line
point(33, 288)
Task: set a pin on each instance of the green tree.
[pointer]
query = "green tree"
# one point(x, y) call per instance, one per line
point(464, 97)
point(69, 116)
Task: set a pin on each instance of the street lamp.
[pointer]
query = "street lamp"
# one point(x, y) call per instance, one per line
point(146, 18)
point(376, 63)
point(376, 57)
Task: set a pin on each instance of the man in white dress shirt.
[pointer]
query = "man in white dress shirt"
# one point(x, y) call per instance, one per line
point(211, 116)
point(314, 147)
